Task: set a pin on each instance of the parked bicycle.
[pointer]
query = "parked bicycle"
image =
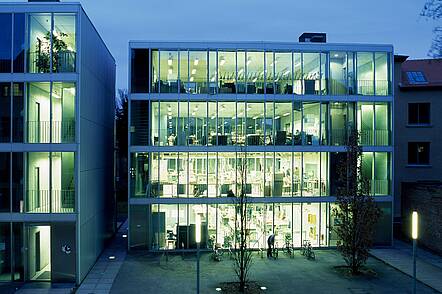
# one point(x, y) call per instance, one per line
point(217, 252)
point(288, 248)
point(275, 251)
point(307, 250)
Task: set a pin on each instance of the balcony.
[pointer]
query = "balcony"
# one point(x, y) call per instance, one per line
point(63, 61)
point(40, 131)
point(39, 201)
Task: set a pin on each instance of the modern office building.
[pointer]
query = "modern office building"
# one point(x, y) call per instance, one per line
point(418, 164)
point(199, 110)
point(57, 86)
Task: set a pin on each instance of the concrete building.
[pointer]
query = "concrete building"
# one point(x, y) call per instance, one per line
point(200, 110)
point(57, 81)
point(418, 161)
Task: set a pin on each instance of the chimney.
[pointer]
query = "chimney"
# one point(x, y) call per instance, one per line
point(313, 38)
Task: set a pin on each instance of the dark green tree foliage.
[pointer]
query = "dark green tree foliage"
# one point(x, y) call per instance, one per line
point(433, 10)
point(242, 254)
point(356, 212)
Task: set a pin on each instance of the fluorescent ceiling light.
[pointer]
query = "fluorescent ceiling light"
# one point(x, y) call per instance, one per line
point(191, 79)
point(193, 71)
point(222, 61)
point(286, 114)
point(170, 71)
point(277, 117)
point(196, 61)
point(254, 80)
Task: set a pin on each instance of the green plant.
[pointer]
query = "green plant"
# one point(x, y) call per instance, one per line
point(42, 61)
point(356, 210)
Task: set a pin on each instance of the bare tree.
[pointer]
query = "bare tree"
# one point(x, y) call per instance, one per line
point(242, 255)
point(356, 212)
point(433, 10)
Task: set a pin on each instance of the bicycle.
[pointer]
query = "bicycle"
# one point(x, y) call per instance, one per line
point(275, 251)
point(288, 248)
point(307, 250)
point(217, 253)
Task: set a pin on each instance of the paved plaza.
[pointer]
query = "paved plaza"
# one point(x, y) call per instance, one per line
point(154, 274)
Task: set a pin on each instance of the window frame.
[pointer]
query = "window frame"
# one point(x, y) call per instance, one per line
point(418, 122)
point(413, 147)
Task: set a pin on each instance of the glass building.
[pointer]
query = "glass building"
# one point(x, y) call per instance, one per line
point(55, 196)
point(199, 111)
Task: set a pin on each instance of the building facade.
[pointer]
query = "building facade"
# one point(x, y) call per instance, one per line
point(418, 164)
point(57, 82)
point(199, 111)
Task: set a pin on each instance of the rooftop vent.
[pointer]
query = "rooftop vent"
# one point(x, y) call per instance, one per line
point(313, 38)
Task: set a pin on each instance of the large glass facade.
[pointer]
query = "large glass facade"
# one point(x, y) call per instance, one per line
point(52, 43)
point(267, 174)
point(50, 112)
point(251, 123)
point(50, 185)
point(258, 72)
point(172, 226)
point(273, 122)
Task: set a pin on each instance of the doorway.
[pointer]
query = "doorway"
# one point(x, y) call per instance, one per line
point(39, 252)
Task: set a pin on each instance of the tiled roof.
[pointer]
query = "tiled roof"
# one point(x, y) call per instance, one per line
point(421, 73)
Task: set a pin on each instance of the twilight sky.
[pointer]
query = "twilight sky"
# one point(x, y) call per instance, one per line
point(394, 22)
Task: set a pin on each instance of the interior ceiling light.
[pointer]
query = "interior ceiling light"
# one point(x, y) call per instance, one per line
point(193, 71)
point(191, 79)
point(286, 114)
point(170, 71)
point(336, 55)
point(196, 61)
point(249, 59)
point(222, 61)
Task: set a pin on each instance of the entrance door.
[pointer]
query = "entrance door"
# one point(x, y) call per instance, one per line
point(39, 252)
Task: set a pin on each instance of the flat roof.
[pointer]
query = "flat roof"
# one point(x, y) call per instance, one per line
point(263, 45)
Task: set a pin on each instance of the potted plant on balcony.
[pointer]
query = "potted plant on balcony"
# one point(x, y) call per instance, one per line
point(42, 61)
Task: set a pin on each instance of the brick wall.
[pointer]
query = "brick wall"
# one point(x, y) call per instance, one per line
point(426, 198)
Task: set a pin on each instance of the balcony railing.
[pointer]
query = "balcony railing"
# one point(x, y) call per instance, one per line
point(40, 131)
point(39, 201)
point(382, 137)
point(381, 187)
point(338, 137)
point(63, 61)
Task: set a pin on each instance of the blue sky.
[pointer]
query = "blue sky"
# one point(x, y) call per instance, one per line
point(394, 22)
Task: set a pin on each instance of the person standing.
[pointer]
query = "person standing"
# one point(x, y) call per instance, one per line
point(270, 245)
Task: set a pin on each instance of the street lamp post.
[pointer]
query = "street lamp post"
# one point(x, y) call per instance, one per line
point(414, 235)
point(198, 240)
